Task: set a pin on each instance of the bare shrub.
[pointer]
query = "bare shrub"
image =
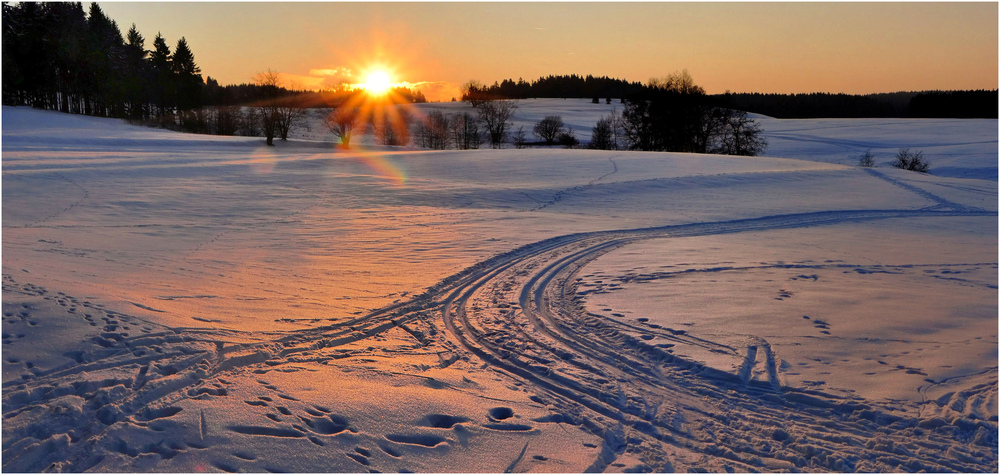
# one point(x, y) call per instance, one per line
point(567, 139)
point(520, 141)
point(913, 161)
point(867, 159)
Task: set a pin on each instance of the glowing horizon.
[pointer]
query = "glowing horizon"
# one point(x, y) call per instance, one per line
point(852, 48)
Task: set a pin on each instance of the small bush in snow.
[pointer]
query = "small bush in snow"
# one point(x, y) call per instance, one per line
point(867, 160)
point(567, 139)
point(520, 141)
point(913, 161)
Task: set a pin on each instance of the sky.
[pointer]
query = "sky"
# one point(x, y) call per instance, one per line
point(854, 48)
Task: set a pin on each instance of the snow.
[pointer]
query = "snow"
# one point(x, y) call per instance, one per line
point(959, 148)
point(177, 302)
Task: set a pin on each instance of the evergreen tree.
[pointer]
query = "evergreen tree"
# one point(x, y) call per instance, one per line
point(106, 58)
point(161, 63)
point(188, 76)
point(184, 64)
point(137, 74)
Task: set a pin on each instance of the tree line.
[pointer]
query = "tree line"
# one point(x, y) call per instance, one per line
point(58, 57)
point(571, 86)
point(925, 104)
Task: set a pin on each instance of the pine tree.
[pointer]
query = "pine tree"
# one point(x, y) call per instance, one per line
point(160, 57)
point(188, 75)
point(106, 57)
point(137, 74)
point(161, 63)
point(184, 60)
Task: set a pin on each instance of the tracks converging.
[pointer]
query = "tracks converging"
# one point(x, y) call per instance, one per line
point(520, 314)
point(522, 317)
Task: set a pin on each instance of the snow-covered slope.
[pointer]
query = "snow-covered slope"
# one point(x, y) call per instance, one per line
point(959, 148)
point(176, 302)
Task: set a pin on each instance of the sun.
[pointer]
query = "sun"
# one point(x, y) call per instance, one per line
point(377, 82)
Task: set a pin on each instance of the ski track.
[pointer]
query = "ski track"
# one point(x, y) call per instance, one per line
point(941, 202)
point(520, 314)
point(559, 196)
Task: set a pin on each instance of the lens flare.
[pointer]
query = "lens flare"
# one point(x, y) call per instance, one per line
point(381, 107)
point(385, 167)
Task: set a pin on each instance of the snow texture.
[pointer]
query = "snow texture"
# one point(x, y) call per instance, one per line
point(188, 303)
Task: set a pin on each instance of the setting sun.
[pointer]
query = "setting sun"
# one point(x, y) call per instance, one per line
point(377, 82)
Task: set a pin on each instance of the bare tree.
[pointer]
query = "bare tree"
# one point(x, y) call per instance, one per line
point(495, 116)
point(276, 114)
point(738, 135)
point(342, 121)
point(267, 106)
point(289, 111)
point(464, 128)
point(548, 128)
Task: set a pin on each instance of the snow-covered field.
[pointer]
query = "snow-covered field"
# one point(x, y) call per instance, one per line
point(189, 303)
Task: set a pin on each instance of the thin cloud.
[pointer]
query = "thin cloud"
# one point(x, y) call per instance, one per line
point(331, 72)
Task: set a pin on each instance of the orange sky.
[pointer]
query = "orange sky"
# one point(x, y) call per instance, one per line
point(742, 47)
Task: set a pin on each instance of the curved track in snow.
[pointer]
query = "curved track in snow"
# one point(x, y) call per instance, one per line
point(522, 316)
point(519, 313)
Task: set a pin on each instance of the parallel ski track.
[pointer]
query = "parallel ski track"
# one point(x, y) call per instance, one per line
point(598, 354)
point(630, 393)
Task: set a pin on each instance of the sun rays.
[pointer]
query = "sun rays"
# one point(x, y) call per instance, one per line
point(379, 106)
